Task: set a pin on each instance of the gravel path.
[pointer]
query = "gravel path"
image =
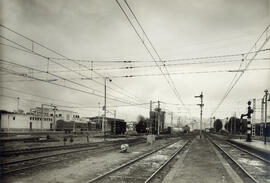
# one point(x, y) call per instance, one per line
point(200, 164)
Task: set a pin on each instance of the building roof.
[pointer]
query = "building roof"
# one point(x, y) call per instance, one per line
point(100, 117)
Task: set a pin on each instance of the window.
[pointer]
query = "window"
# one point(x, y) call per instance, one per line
point(60, 115)
point(13, 117)
point(51, 114)
point(68, 117)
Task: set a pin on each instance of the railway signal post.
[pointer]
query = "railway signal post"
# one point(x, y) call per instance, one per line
point(250, 111)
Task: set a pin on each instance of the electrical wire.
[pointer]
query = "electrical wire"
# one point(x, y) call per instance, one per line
point(68, 87)
point(169, 79)
point(65, 106)
point(236, 79)
point(57, 54)
point(168, 65)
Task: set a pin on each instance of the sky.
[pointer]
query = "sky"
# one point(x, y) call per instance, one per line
point(98, 31)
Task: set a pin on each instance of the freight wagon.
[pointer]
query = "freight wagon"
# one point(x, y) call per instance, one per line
point(70, 126)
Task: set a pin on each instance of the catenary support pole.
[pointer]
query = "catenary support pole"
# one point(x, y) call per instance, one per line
point(201, 112)
point(265, 117)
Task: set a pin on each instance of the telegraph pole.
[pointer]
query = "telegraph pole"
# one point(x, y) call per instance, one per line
point(150, 126)
point(54, 111)
point(265, 117)
point(104, 107)
point(99, 113)
point(18, 103)
point(158, 116)
point(262, 110)
point(114, 115)
point(231, 127)
point(262, 118)
point(172, 119)
point(201, 106)
point(41, 124)
point(234, 120)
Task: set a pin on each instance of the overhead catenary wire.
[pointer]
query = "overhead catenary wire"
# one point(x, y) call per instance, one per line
point(35, 95)
point(68, 106)
point(57, 84)
point(237, 77)
point(38, 54)
point(160, 59)
point(57, 53)
point(145, 61)
point(181, 73)
point(168, 65)
point(150, 66)
point(167, 77)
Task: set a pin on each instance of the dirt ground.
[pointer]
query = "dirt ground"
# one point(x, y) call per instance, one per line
point(85, 168)
point(200, 164)
point(79, 139)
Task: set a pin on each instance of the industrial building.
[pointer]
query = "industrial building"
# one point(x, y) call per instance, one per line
point(156, 121)
point(112, 125)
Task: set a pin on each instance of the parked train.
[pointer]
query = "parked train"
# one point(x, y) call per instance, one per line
point(112, 126)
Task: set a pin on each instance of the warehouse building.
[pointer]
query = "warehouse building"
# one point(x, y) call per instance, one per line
point(156, 121)
point(112, 125)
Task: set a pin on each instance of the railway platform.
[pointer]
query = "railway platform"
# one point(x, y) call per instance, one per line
point(201, 163)
point(256, 145)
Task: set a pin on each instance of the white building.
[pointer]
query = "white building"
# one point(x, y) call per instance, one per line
point(33, 121)
point(21, 122)
point(64, 115)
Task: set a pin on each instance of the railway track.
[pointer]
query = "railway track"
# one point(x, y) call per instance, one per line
point(145, 167)
point(252, 166)
point(17, 152)
point(11, 167)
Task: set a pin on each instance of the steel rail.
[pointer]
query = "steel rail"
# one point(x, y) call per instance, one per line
point(55, 148)
point(250, 153)
point(54, 155)
point(44, 149)
point(63, 153)
point(163, 165)
point(129, 163)
point(231, 158)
